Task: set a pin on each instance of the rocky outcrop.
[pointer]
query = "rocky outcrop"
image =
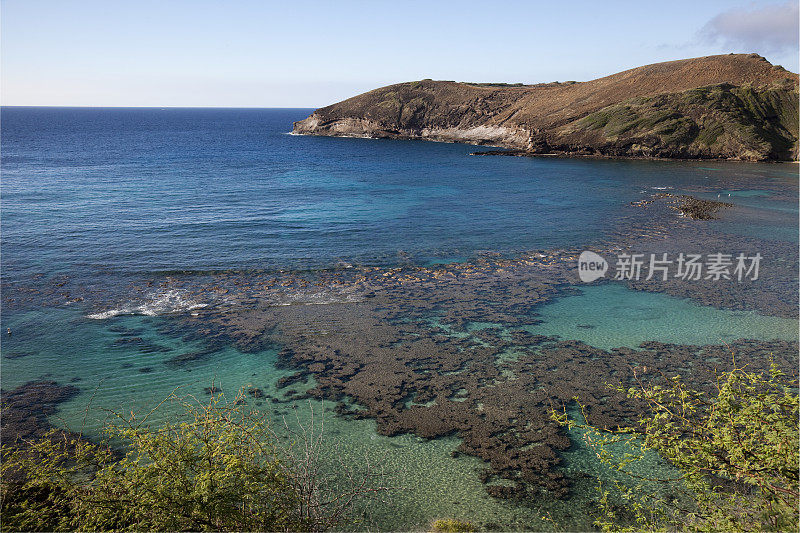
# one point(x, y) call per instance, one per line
point(734, 106)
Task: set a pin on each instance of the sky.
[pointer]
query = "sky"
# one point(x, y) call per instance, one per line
point(302, 53)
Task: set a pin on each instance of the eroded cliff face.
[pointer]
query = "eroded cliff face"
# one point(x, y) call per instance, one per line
point(437, 111)
point(732, 106)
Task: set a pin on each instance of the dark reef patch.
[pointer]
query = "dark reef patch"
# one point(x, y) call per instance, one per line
point(19, 354)
point(691, 207)
point(438, 351)
point(25, 409)
point(183, 360)
point(414, 359)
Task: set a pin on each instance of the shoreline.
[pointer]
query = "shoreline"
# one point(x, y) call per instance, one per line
point(516, 152)
point(578, 155)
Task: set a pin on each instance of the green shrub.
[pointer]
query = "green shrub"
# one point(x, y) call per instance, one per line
point(219, 468)
point(737, 450)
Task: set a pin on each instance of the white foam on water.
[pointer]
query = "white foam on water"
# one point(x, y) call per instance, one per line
point(111, 313)
point(172, 301)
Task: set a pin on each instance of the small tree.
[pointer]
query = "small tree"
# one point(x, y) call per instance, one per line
point(329, 481)
point(218, 468)
point(736, 450)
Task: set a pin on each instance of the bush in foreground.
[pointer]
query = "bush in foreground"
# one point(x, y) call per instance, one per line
point(220, 469)
point(736, 449)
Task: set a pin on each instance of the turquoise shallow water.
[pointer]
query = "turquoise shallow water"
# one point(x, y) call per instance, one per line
point(65, 345)
point(611, 315)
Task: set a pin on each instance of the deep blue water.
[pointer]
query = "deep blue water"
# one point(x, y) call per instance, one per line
point(143, 190)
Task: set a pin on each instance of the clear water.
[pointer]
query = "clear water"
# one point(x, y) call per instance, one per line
point(612, 315)
point(108, 196)
point(67, 345)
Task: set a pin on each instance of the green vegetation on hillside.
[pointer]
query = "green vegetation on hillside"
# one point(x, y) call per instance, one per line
point(744, 122)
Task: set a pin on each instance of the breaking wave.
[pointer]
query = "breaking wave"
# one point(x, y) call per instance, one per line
point(172, 301)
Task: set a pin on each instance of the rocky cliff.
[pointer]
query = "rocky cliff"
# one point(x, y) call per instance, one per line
point(735, 106)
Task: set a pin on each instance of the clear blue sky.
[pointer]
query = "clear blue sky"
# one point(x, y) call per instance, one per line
point(296, 53)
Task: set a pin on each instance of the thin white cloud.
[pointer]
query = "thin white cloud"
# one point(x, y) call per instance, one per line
point(766, 29)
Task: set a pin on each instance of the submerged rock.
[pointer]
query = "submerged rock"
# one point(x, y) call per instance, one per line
point(25, 410)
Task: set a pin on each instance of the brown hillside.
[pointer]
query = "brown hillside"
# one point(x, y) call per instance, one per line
point(557, 105)
point(545, 117)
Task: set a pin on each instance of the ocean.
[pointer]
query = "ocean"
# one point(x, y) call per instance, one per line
point(150, 250)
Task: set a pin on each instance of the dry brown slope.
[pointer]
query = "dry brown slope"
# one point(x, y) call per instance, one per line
point(544, 117)
point(561, 104)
